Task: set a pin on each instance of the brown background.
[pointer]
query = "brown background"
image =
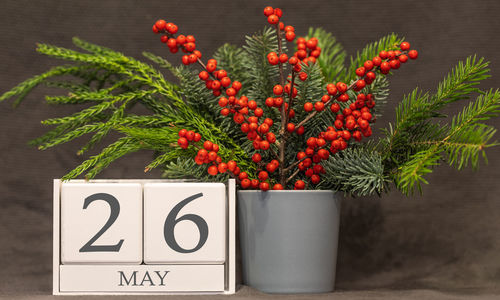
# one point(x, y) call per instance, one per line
point(448, 239)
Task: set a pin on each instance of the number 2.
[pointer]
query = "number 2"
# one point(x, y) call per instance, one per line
point(115, 211)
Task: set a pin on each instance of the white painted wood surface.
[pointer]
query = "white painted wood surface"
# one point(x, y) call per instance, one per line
point(208, 206)
point(142, 278)
point(79, 225)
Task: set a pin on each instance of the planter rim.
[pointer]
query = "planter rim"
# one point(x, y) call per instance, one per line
point(287, 191)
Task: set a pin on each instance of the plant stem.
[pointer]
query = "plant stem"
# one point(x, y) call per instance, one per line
point(282, 132)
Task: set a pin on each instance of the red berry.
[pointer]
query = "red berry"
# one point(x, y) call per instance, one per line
point(360, 84)
point(211, 67)
point(172, 29)
point(208, 145)
point(264, 186)
point(319, 106)
point(190, 39)
point(360, 71)
point(413, 54)
point(230, 92)
point(273, 59)
point(312, 43)
point(255, 183)
point(155, 29)
point(245, 183)
point(185, 60)
point(404, 46)
point(263, 175)
point(315, 179)
point(270, 167)
point(278, 90)
point(302, 76)
point(341, 87)
point(183, 142)
point(300, 185)
point(383, 54)
point(273, 19)
point(268, 11)
point(283, 58)
point(264, 145)
point(160, 24)
point(212, 170)
point(385, 67)
point(293, 60)
point(403, 58)
point(277, 186)
point(181, 39)
point(343, 98)
point(395, 64)
point(270, 102)
point(197, 137)
point(368, 65)
point(236, 85)
point(331, 89)
point(300, 130)
point(290, 36)
point(308, 106)
point(203, 75)
point(271, 138)
point(278, 12)
point(222, 167)
point(182, 132)
point(370, 76)
point(377, 61)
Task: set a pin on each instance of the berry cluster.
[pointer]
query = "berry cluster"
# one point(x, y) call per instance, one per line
point(352, 123)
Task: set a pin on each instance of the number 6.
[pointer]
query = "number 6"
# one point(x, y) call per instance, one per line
point(172, 220)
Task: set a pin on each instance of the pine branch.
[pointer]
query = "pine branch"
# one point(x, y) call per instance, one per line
point(356, 171)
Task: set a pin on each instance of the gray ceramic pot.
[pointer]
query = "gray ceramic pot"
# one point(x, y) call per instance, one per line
point(289, 240)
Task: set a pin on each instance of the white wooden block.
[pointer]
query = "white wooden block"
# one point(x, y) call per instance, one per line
point(101, 223)
point(143, 278)
point(184, 223)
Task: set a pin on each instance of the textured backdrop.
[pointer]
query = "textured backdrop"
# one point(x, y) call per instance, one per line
point(447, 239)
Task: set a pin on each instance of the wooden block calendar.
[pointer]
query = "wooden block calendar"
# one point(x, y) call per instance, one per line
point(143, 237)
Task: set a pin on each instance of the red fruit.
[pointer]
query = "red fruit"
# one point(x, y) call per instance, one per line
point(160, 24)
point(278, 102)
point(413, 54)
point(319, 106)
point(290, 36)
point(331, 89)
point(183, 142)
point(263, 175)
point(300, 185)
point(252, 104)
point(404, 46)
point(367, 116)
point(185, 60)
point(325, 98)
point(303, 76)
point(290, 127)
point(335, 107)
point(368, 65)
point(225, 81)
point(300, 130)
point(278, 90)
point(271, 167)
point(208, 145)
point(277, 186)
point(360, 84)
point(311, 142)
point(273, 19)
point(222, 168)
point(181, 39)
point(341, 87)
point(264, 145)
point(212, 156)
point(271, 138)
point(155, 29)
point(360, 71)
point(190, 39)
point(270, 102)
point(211, 67)
point(225, 111)
point(391, 54)
point(283, 58)
point(377, 61)
point(258, 112)
point(245, 183)
point(293, 60)
point(203, 75)
point(236, 85)
point(255, 183)
point(190, 47)
point(383, 54)
point(268, 10)
point(315, 179)
point(264, 186)
point(395, 64)
point(182, 132)
point(301, 155)
point(338, 124)
point(197, 137)
point(243, 175)
point(231, 165)
point(190, 135)
point(370, 76)
point(278, 12)
point(343, 98)
point(273, 59)
point(320, 142)
point(212, 170)
point(230, 92)
point(385, 67)
point(308, 106)
point(256, 157)
point(312, 43)
point(363, 124)
point(197, 53)
point(403, 58)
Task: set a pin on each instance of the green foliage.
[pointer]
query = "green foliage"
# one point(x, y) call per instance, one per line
point(356, 171)
point(107, 84)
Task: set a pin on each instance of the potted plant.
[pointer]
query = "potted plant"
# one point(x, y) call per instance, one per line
point(289, 126)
